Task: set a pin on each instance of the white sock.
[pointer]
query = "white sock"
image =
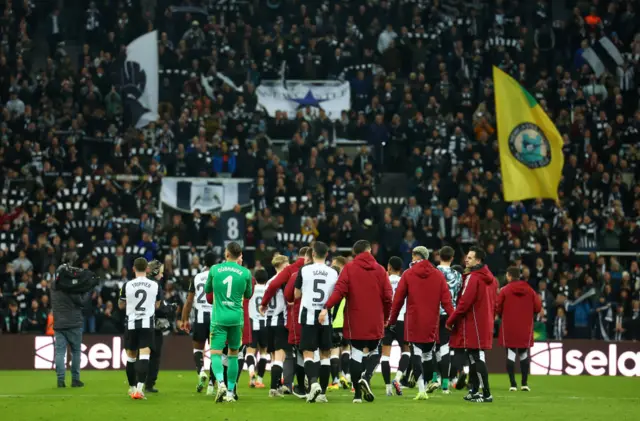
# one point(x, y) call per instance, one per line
point(388, 388)
point(140, 387)
point(259, 379)
point(421, 388)
point(348, 377)
point(399, 375)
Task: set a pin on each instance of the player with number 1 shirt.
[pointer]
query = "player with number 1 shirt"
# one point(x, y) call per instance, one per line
point(227, 286)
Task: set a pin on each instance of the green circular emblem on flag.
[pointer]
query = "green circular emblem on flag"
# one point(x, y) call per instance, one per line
point(529, 146)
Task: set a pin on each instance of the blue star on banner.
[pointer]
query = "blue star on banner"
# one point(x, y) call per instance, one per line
point(308, 101)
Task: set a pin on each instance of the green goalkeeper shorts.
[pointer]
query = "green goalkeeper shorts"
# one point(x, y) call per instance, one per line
point(222, 336)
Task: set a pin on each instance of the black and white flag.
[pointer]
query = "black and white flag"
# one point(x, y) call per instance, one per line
point(603, 56)
point(139, 81)
point(208, 195)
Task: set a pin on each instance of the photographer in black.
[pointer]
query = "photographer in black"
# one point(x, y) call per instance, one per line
point(164, 313)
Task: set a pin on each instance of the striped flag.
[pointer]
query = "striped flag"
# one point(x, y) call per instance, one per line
point(603, 56)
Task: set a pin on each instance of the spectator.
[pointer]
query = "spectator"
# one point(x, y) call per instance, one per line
point(36, 318)
point(13, 321)
point(581, 316)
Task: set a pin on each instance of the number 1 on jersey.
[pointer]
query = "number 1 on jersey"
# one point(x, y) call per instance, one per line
point(228, 281)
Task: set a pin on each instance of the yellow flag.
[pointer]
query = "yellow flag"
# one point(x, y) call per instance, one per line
point(531, 157)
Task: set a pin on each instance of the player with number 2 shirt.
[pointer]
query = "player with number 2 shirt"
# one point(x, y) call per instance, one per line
point(227, 286)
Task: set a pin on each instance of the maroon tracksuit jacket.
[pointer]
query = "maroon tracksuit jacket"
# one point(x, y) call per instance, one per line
point(366, 287)
point(473, 318)
point(424, 287)
point(517, 304)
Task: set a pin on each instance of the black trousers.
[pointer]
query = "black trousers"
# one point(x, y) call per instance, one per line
point(154, 361)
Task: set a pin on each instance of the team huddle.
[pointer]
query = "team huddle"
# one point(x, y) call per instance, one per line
point(339, 320)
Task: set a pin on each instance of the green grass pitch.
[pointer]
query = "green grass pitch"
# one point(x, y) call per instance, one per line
point(32, 395)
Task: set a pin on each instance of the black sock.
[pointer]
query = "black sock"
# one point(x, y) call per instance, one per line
point(345, 358)
point(356, 374)
point(226, 378)
point(372, 364)
point(405, 360)
point(365, 364)
point(276, 375)
point(325, 372)
point(511, 370)
point(474, 382)
point(262, 367)
point(251, 361)
point(416, 363)
point(444, 366)
point(240, 367)
point(300, 375)
point(454, 364)
point(429, 367)
point(484, 374)
point(524, 370)
point(311, 370)
point(198, 358)
point(386, 371)
point(335, 368)
point(142, 370)
point(131, 373)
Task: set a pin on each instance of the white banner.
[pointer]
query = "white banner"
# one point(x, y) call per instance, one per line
point(208, 195)
point(331, 96)
point(140, 79)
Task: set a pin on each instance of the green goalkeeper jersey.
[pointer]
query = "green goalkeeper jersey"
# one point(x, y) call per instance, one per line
point(230, 284)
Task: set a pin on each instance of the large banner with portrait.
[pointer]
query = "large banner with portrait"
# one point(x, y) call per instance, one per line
point(208, 195)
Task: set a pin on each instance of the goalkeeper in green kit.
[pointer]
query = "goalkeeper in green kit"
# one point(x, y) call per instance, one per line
point(228, 284)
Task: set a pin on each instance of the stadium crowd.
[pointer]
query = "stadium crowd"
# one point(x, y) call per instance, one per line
point(74, 181)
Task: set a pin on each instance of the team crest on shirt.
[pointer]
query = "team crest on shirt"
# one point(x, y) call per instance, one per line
point(530, 146)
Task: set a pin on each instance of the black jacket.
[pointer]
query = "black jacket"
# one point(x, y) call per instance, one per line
point(67, 309)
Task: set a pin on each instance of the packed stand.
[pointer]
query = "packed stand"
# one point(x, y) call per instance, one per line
point(79, 188)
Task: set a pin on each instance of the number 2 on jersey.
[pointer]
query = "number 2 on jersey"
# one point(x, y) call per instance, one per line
point(200, 290)
point(228, 281)
point(140, 294)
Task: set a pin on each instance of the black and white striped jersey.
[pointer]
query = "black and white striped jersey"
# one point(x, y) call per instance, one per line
point(201, 308)
point(257, 319)
point(395, 280)
point(316, 282)
point(276, 313)
point(141, 295)
point(588, 234)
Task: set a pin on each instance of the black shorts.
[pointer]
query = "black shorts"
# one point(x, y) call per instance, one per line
point(259, 338)
point(444, 333)
point(201, 332)
point(315, 337)
point(339, 340)
point(397, 334)
point(361, 344)
point(426, 347)
point(137, 339)
point(277, 338)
